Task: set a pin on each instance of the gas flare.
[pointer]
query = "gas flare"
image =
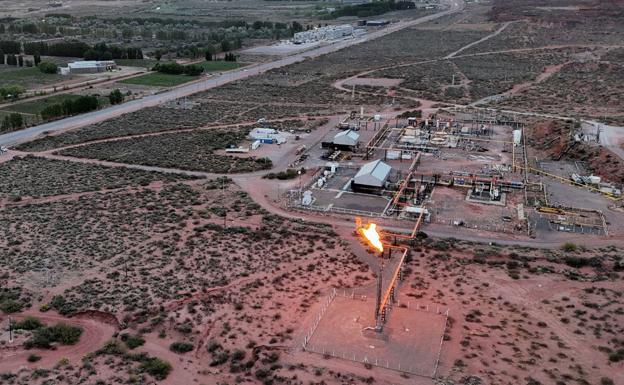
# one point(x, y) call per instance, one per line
point(372, 236)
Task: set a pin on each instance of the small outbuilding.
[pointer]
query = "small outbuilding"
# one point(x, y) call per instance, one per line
point(371, 177)
point(347, 138)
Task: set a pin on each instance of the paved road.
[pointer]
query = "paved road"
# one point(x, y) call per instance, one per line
point(612, 137)
point(17, 137)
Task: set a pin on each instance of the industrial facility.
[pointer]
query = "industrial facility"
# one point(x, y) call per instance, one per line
point(324, 34)
point(88, 67)
point(453, 168)
point(267, 135)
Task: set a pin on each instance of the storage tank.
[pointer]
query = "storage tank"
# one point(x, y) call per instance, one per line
point(594, 179)
point(517, 136)
point(393, 154)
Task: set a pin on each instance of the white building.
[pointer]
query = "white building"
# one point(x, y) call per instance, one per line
point(372, 175)
point(331, 32)
point(346, 138)
point(88, 67)
point(266, 135)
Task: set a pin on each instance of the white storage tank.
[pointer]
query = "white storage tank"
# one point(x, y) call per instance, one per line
point(517, 137)
point(393, 155)
point(594, 179)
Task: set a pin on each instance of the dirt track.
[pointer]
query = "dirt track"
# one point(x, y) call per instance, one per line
point(95, 333)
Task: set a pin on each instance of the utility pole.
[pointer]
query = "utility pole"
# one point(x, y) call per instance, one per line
point(10, 330)
point(223, 200)
point(378, 300)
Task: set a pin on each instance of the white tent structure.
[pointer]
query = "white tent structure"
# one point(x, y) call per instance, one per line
point(372, 175)
point(346, 138)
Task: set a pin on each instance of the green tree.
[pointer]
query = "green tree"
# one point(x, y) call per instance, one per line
point(47, 67)
point(11, 91)
point(116, 97)
point(225, 45)
point(52, 111)
point(193, 70)
point(17, 121)
point(37, 58)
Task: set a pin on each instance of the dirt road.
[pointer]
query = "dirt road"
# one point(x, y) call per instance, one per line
point(95, 333)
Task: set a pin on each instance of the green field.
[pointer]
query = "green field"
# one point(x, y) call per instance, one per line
point(145, 63)
point(34, 107)
point(167, 80)
point(28, 77)
point(213, 66)
point(159, 80)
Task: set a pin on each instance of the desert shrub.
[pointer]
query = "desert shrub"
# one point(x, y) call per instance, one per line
point(410, 114)
point(111, 347)
point(11, 300)
point(181, 347)
point(617, 356)
point(290, 173)
point(132, 341)
point(576, 262)
point(157, 368)
point(238, 355)
point(213, 346)
point(60, 304)
point(219, 357)
point(61, 333)
point(33, 358)
point(261, 373)
point(606, 381)
point(11, 306)
point(189, 151)
point(569, 247)
point(28, 323)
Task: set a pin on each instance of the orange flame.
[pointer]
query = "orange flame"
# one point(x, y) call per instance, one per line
point(372, 236)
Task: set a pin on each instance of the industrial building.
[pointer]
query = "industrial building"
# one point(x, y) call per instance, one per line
point(371, 177)
point(347, 138)
point(344, 140)
point(331, 32)
point(266, 135)
point(376, 23)
point(88, 67)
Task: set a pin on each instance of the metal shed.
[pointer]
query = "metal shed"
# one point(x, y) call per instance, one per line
point(346, 138)
point(371, 176)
